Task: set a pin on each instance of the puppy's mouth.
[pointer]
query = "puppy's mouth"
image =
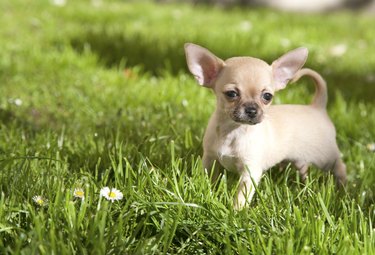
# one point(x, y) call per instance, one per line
point(247, 121)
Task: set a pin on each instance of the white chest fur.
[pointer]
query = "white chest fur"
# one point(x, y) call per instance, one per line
point(238, 148)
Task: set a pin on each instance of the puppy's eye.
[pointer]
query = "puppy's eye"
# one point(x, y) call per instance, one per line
point(267, 97)
point(231, 94)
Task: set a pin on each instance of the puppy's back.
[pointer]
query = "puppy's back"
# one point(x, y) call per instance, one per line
point(306, 133)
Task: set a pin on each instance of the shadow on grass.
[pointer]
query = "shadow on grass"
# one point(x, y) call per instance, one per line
point(114, 49)
point(103, 140)
point(157, 56)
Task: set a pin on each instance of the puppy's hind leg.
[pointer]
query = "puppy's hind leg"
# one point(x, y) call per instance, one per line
point(339, 171)
point(303, 169)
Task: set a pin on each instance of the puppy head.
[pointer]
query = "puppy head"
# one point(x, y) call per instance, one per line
point(244, 86)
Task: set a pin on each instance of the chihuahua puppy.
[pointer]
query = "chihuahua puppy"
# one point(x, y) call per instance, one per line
point(247, 135)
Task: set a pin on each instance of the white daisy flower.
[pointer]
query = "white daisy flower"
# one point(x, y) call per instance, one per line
point(338, 50)
point(39, 200)
point(59, 2)
point(111, 194)
point(79, 193)
point(371, 147)
point(18, 102)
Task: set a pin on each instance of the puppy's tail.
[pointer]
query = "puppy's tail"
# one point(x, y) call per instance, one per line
point(321, 95)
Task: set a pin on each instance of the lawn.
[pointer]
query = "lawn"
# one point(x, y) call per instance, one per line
point(97, 94)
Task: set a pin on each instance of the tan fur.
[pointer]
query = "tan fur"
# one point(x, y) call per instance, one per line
point(247, 135)
point(320, 98)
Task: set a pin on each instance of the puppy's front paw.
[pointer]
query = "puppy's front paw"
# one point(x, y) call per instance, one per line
point(239, 203)
point(244, 195)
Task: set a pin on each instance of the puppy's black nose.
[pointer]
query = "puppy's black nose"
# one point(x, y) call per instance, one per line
point(251, 111)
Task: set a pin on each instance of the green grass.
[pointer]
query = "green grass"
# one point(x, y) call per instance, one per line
point(106, 101)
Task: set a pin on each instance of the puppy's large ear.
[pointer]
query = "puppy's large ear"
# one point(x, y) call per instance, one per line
point(285, 67)
point(204, 65)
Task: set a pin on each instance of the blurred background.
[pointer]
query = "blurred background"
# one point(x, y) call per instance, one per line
point(337, 32)
point(291, 5)
point(66, 48)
